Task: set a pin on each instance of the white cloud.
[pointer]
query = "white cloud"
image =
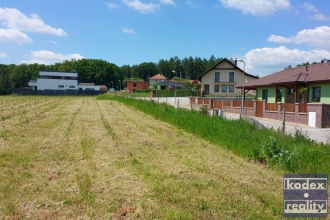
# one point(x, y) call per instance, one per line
point(192, 4)
point(128, 31)
point(141, 7)
point(264, 61)
point(53, 42)
point(317, 37)
point(309, 7)
point(319, 17)
point(167, 2)
point(111, 5)
point(49, 57)
point(2, 55)
point(10, 35)
point(14, 19)
point(257, 7)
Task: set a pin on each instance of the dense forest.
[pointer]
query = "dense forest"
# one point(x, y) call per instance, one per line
point(102, 72)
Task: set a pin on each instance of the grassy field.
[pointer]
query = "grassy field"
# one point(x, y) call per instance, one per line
point(82, 158)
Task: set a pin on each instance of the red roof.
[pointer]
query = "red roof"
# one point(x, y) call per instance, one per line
point(302, 74)
point(158, 76)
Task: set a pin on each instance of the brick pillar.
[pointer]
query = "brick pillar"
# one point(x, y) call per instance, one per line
point(296, 111)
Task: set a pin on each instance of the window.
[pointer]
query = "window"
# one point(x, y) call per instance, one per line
point(231, 78)
point(60, 86)
point(134, 84)
point(279, 95)
point(217, 77)
point(72, 87)
point(265, 94)
point(224, 88)
point(231, 88)
point(216, 88)
point(316, 94)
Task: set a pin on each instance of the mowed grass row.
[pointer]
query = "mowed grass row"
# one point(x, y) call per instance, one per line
point(96, 159)
point(295, 154)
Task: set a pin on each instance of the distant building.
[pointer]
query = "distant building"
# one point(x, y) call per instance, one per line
point(66, 82)
point(132, 85)
point(157, 79)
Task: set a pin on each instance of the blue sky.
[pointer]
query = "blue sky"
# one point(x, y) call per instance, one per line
point(267, 34)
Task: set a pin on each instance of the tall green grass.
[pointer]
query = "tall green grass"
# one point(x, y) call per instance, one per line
point(294, 153)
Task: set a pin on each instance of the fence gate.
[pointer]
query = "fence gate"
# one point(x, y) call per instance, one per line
point(259, 106)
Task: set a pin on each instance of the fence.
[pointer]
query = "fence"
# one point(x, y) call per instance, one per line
point(295, 112)
point(271, 107)
point(289, 107)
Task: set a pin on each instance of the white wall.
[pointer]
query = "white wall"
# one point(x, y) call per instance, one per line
point(96, 88)
point(43, 84)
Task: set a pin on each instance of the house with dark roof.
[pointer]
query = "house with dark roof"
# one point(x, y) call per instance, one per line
point(156, 79)
point(303, 84)
point(222, 79)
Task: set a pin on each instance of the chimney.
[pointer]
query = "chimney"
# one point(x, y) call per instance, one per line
point(306, 68)
point(235, 61)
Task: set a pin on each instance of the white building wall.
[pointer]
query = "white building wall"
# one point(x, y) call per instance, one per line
point(57, 84)
point(96, 88)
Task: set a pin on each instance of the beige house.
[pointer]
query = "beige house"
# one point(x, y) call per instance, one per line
point(222, 78)
point(158, 78)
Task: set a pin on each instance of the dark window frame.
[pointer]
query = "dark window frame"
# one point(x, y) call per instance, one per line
point(231, 88)
point(217, 77)
point(316, 99)
point(231, 77)
point(265, 94)
point(216, 88)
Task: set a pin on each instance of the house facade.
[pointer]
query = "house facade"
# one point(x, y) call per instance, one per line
point(62, 82)
point(132, 85)
point(222, 79)
point(304, 84)
point(156, 79)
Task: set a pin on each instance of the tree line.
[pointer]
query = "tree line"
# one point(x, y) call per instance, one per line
point(102, 72)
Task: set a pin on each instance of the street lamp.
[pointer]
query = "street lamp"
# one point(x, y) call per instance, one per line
point(111, 86)
point(173, 71)
point(119, 85)
point(242, 109)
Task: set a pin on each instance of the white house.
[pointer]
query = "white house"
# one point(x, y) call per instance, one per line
point(61, 81)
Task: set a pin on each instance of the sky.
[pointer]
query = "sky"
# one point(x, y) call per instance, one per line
point(268, 35)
